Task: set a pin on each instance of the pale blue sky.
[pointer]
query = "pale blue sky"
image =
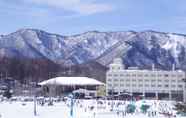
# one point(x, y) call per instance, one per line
point(67, 17)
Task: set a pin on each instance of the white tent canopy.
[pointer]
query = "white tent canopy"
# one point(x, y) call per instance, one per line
point(72, 81)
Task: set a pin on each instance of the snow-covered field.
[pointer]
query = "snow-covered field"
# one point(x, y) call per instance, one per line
point(86, 109)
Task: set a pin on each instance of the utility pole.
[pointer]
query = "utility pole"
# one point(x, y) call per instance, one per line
point(35, 99)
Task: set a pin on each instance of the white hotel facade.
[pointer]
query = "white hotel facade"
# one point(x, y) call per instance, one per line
point(154, 83)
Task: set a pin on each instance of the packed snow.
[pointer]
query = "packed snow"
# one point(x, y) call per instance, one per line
point(86, 109)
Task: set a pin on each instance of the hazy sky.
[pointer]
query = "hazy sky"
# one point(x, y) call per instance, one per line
point(68, 17)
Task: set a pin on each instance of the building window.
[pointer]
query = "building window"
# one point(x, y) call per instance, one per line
point(134, 85)
point(180, 81)
point(173, 86)
point(134, 80)
point(146, 80)
point(146, 75)
point(128, 80)
point(173, 75)
point(166, 75)
point(115, 75)
point(127, 85)
point(153, 85)
point(140, 85)
point(140, 80)
point(134, 75)
point(140, 75)
point(159, 85)
point(146, 85)
point(121, 75)
point(180, 86)
point(159, 75)
point(166, 85)
point(180, 76)
point(152, 75)
point(109, 85)
point(128, 75)
point(159, 80)
point(109, 74)
point(121, 84)
point(166, 80)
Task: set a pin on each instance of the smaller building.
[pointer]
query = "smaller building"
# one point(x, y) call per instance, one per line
point(63, 85)
point(159, 84)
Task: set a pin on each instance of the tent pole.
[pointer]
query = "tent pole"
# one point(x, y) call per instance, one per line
point(62, 89)
point(96, 102)
point(96, 91)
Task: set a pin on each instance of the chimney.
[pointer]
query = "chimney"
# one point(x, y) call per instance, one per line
point(173, 67)
point(153, 67)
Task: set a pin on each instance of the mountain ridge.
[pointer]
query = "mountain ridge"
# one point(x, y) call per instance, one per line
point(96, 46)
point(32, 54)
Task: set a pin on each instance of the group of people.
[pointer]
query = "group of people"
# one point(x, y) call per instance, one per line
point(120, 108)
point(166, 110)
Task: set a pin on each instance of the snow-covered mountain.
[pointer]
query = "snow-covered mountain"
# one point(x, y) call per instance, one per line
point(136, 48)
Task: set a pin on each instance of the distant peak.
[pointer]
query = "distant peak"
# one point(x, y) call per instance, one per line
point(23, 30)
point(93, 31)
point(152, 31)
point(96, 31)
point(30, 29)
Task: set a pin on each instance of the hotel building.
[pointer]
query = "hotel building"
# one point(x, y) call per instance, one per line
point(159, 84)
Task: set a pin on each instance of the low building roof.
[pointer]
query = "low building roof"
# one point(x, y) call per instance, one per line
point(71, 81)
